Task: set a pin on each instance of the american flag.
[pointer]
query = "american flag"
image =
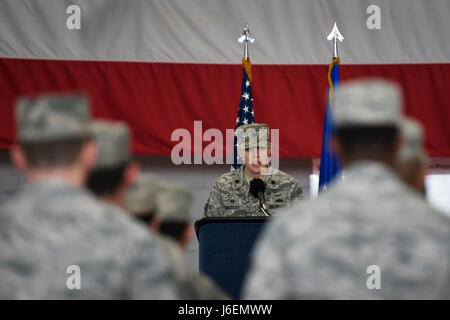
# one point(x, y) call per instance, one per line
point(245, 111)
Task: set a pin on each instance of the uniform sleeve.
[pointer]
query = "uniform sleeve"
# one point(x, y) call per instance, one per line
point(297, 194)
point(191, 285)
point(266, 278)
point(152, 276)
point(213, 206)
point(203, 288)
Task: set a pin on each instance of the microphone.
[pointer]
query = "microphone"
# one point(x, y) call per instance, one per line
point(257, 189)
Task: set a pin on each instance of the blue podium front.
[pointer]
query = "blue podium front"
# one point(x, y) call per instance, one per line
point(225, 246)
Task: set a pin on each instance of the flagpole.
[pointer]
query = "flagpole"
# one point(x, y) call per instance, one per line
point(245, 38)
point(334, 35)
point(329, 162)
point(245, 110)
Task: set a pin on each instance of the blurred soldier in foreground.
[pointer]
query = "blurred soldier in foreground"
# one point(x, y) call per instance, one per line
point(368, 237)
point(173, 207)
point(56, 240)
point(412, 161)
point(140, 200)
point(162, 206)
point(113, 171)
point(231, 196)
point(159, 204)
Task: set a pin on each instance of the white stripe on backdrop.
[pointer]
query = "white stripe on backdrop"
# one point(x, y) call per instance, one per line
point(205, 31)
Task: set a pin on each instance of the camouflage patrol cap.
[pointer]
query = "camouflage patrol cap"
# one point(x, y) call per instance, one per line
point(140, 197)
point(52, 118)
point(412, 134)
point(173, 203)
point(113, 144)
point(367, 102)
point(253, 135)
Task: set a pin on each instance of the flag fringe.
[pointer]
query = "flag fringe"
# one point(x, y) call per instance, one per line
point(330, 81)
point(247, 64)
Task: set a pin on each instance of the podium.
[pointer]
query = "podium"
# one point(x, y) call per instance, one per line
point(225, 247)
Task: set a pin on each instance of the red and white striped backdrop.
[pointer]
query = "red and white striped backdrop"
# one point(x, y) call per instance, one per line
point(160, 65)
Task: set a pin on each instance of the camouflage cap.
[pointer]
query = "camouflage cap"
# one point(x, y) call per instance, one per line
point(140, 197)
point(52, 118)
point(412, 134)
point(367, 102)
point(173, 203)
point(113, 144)
point(253, 135)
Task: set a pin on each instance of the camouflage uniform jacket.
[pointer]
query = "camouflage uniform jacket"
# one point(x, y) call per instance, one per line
point(230, 195)
point(322, 248)
point(191, 285)
point(50, 225)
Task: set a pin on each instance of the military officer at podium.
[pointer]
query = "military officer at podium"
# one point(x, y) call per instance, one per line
point(231, 195)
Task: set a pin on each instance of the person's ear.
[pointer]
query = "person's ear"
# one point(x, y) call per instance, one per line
point(241, 153)
point(423, 172)
point(336, 146)
point(398, 143)
point(265, 152)
point(155, 224)
point(131, 173)
point(88, 155)
point(18, 157)
point(186, 237)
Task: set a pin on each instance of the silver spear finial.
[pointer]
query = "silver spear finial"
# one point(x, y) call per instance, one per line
point(336, 35)
point(246, 37)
